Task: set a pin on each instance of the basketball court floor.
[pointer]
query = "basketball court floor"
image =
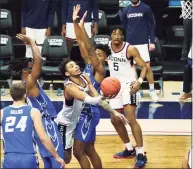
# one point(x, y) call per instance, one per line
point(166, 128)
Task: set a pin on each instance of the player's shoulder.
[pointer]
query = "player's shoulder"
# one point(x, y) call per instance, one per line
point(145, 5)
point(130, 47)
point(86, 77)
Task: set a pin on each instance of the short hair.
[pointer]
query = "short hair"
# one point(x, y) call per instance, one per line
point(104, 48)
point(17, 91)
point(115, 27)
point(62, 67)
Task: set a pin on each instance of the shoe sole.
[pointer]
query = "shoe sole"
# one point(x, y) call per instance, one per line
point(135, 167)
point(185, 100)
point(129, 157)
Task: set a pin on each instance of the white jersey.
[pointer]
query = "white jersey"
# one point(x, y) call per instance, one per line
point(71, 110)
point(120, 66)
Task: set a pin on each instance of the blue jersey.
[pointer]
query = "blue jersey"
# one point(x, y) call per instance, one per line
point(91, 6)
point(86, 128)
point(89, 71)
point(37, 14)
point(139, 24)
point(17, 127)
point(43, 103)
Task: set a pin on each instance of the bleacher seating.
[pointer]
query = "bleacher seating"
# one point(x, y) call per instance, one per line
point(172, 40)
point(54, 50)
point(5, 21)
point(6, 56)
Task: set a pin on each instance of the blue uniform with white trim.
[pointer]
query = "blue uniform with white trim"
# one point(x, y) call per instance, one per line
point(90, 115)
point(48, 111)
point(18, 137)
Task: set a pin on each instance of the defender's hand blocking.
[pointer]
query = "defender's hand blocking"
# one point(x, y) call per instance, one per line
point(76, 10)
point(82, 21)
point(24, 38)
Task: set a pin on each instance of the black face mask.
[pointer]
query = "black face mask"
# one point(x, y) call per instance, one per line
point(134, 2)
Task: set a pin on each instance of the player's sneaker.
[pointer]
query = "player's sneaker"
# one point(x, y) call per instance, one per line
point(141, 160)
point(125, 154)
point(186, 97)
point(153, 95)
point(139, 94)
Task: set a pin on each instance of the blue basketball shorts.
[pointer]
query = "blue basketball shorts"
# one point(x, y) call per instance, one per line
point(86, 128)
point(19, 160)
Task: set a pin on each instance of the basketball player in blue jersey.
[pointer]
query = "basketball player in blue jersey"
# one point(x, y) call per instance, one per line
point(121, 67)
point(37, 98)
point(18, 122)
point(78, 91)
point(85, 132)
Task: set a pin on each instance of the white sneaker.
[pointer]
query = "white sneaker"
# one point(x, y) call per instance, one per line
point(153, 95)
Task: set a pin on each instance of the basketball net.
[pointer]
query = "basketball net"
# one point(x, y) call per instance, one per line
point(186, 10)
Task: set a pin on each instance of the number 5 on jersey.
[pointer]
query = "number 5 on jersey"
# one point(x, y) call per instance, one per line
point(116, 66)
point(10, 122)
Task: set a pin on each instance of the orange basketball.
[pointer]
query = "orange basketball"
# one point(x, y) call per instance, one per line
point(110, 86)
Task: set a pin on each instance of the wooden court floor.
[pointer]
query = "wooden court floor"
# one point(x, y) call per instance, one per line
point(162, 152)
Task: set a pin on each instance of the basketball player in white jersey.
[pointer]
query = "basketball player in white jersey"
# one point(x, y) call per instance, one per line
point(121, 67)
point(187, 162)
point(78, 90)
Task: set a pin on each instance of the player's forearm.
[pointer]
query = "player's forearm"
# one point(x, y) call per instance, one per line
point(144, 71)
point(77, 30)
point(86, 39)
point(104, 104)
point(49, 146)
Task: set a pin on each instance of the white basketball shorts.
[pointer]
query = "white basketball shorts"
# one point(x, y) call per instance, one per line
point(143, 51)
point(123, 98)
point(38, 35)
point(70, 34)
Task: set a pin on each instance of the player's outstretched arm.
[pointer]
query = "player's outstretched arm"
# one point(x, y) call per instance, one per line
point(37, 119)
point(78, 32)
point(38, 61)
point(91, 54)
point(72, 91)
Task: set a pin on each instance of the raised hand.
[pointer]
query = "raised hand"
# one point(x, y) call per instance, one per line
point(76, 10)
point(82, 21)
point(24, 38)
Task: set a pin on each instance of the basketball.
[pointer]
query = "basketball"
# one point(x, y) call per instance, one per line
point(110, 86)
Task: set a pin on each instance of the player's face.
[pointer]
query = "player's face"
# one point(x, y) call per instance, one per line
point(117, 37)
point(72, 69)
point(101, 55)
